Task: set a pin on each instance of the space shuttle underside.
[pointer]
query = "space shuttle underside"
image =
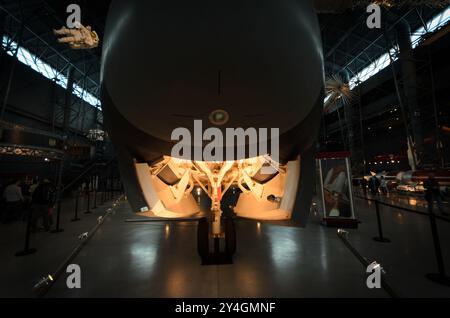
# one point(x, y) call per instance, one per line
point(230, 65)
point(167, 188)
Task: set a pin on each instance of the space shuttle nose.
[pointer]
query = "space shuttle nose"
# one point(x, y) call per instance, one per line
point(223, 65)
point(256, 64)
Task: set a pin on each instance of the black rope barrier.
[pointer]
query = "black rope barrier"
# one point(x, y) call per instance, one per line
point(441, 276)
point(343, 236)
point(44, 286)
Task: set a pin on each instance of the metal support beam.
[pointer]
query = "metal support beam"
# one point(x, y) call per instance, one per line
point(413, 161)
point(11, 77)
point(68, 100)
point(410, 86)
point(379, 38)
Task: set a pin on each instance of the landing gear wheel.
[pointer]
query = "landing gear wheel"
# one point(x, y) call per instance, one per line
point(230, 237)
point(203, 237)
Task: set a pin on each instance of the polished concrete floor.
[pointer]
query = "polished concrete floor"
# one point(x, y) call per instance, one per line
point(410, 255)
point(160, 259)
point(18, 275)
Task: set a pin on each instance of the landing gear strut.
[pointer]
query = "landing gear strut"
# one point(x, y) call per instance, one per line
point(203, 237)
point(230, 236)
point(216, 249)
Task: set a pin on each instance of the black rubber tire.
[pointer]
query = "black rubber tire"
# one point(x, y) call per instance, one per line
point(230, 236)
point(203, 237)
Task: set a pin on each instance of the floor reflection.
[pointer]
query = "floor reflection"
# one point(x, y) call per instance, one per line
point(404, 200)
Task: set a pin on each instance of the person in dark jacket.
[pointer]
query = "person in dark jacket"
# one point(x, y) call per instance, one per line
point(433, 193)
point(42, 201)
point(374, 185)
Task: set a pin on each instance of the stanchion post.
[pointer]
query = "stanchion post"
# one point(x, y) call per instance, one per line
point(441, 277)
point(77, 197)
point(95, 186)
point(58, 217)
point(27, 250)
point(380, 238)
point(88, 208)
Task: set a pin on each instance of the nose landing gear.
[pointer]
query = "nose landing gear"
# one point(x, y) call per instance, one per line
point(216, 234)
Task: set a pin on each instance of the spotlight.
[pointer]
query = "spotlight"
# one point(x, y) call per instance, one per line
point(44, 281)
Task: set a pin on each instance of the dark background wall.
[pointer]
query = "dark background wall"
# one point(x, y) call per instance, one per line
point(37, 102)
